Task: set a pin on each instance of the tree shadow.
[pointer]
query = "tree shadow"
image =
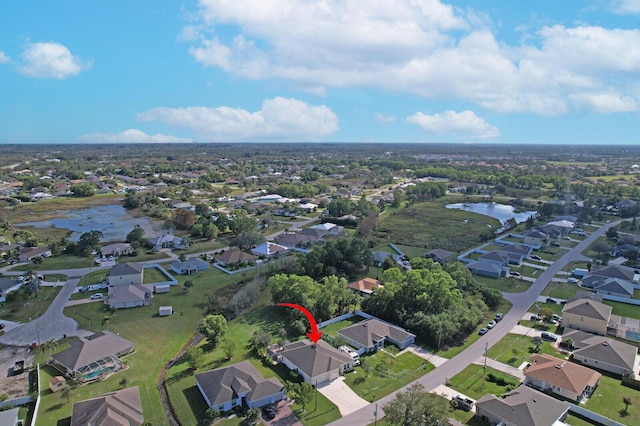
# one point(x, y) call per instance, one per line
point(623, 413)
point(55, 407)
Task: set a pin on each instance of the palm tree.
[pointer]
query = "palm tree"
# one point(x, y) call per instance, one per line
point(50, 345)
point(32, 282)
point(106, 319)
point(627, 402)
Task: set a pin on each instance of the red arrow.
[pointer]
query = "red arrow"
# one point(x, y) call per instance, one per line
point(315, 334)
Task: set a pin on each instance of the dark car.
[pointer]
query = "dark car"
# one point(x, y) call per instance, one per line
point(268, 413)
point(483, 331)
point(498, 317)
point(548, 336)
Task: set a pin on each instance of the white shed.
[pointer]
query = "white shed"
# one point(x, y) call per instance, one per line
point(163, 288)
point(165, 311)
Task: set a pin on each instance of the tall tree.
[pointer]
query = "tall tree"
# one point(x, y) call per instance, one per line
point(214, 328)
point(416, 407)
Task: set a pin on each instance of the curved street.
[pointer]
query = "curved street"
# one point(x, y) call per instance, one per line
point(521, 303)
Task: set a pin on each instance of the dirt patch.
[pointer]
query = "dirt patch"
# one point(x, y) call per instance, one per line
point(12, 383)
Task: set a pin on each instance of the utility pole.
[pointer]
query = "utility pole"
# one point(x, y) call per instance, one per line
point(316, 395)
point(486, 349)
point(375, 413)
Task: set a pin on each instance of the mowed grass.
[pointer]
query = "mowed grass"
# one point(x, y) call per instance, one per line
point(607, 400)
point(473, 383)
point(561, 290)
point(154, 275)
point(332, 329)
point(439, 227)
point(94, 277)
point(157, 340)
point(513, 349)
point(55, 207)
point(505, 284)
point(624, 309)
point(386, 374)
point(17, 311)
point(61, 261)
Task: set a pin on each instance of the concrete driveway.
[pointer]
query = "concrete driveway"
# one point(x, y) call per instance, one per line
point(340, 394)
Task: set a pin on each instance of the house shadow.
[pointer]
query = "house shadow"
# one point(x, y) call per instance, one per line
point(64, 422)
point(196, 401)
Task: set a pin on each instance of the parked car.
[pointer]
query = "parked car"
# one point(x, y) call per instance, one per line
point(498, 317)
point(514, 274)
point(463, 403)
point(268, 413)
point(573, 280)
point(491, 324)
point(548, 336)
point(96, 296)
point(483, 331)
point(535, 257)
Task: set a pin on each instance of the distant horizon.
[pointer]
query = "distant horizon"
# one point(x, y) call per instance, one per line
point(436, 71)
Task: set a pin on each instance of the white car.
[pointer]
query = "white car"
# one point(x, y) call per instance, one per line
point(573, 280)
point(96, 296)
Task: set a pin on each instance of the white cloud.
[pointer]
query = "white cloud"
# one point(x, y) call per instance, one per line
point(131, 136)
point(605, 103)
point(422, 47)
point(4, 58)
point(279, 118)
point(385, 118)
point(626, 7)
point(51, 60)
point(465, 124)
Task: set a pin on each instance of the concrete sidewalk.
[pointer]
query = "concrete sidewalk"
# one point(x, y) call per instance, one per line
point(504, 368)
point(425, 354)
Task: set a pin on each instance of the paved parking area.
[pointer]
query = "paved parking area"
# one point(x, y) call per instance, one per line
point(343, 396)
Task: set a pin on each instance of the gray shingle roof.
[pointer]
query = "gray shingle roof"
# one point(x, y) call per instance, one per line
point(192, 263)
point(125, 269)
point(315, 359)
point(588, 308)
point(524, 407)
point(90, 349)
point(227, 383)
point(371, 331)
point(122, 407)
point(608, 351)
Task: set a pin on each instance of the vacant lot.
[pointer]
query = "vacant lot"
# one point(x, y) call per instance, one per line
point(515, 349)
point(440, 227)
point(61, 261)
point(473, 382)
point(24, 308)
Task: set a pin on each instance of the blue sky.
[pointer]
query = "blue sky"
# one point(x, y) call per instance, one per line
point(499, 71)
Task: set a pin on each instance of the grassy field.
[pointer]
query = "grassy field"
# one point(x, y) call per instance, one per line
point(153, 275)
point(332, 329)
point(624, 309)
point(387, 374)
point(607, 400)
point(513, 349)
point(143, 256)
point(157, 340)
point(440, 227)
point(561, 290)
point(94, 277)
point(506, 284)
point(473, 383)
point(18, 312)
point(55, 207)
point(55, 277)
point(61, 261)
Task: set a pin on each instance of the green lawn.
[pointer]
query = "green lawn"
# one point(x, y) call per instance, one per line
point(624, 309)
point(55, 277)
point(143, 256)
point(513, 349)
point(94, 277)
point(157, 340)
point(410, 251)
point(332, 329)
point(17, 311)
point(561, 290)
point(61, 261)
point(607, 400)
point(506, 285)
point(386, 374)
point(473, 383)
point(153, 275)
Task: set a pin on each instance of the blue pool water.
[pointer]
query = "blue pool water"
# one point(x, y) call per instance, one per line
point(632, 335)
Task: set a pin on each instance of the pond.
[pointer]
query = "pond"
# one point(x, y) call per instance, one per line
point(502, 212)
point(113, 221)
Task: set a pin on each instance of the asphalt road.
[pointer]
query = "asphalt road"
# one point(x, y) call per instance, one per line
point(521, 303)
point(50, 325)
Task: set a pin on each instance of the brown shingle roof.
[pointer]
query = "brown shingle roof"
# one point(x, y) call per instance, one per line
point(122, 407)
point(588, 308)
point(315, 359)
point(90, 349)
point(371, 331)
point(561, 373)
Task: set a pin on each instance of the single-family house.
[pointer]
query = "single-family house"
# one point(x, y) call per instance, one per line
point(499, 257)
point(364, 286)
point(308, 207)
point(168, 241)
point(129, 296)
point(7, 285)
point(611, 286)
point(315, 233)
point(27, 254)
point(602, 352)
point(586, 315)
point(611, 271)
point(329, 228)
point(233, 256)
point(317, 363)
point(238, 385)
point(534, 238)
point(89, 358)
point(121, 407)
point(117, 249)
point(487, 269)
point(626, 250)
point(564, 378)
point(190, 266)
point(440, 255)
point(372, 334)
point(521, 407)
point(125, 274)
point(517, 252)
point(269, 249)
point(294, 240)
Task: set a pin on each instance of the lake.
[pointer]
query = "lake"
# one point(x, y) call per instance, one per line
point(502, 212)
point(113, 221)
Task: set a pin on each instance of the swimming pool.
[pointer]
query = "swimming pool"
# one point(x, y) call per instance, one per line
point(632, 335)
